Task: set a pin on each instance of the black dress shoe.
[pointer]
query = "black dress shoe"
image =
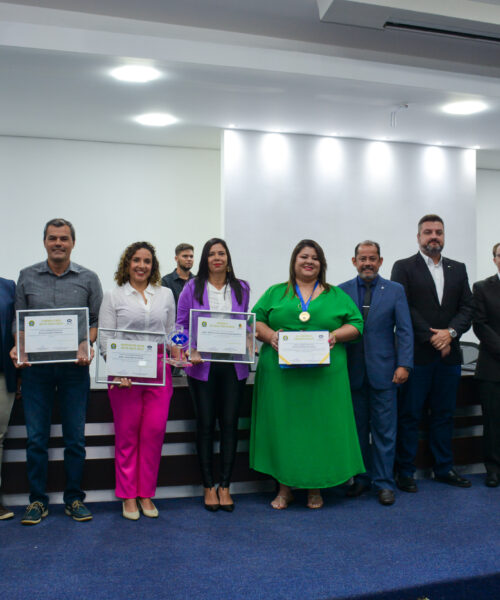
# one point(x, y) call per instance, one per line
point(386, 497)
point(453, 478)
point(492, 480)
point(406, 484)
point(211, 507)
point(356, 489)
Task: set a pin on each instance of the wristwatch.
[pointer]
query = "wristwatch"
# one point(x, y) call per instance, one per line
point(452, 332)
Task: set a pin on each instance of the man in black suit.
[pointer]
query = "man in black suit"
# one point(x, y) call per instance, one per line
point(440, 303)
point(486, 324)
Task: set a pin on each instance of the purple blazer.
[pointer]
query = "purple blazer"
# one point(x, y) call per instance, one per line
point(187, 301)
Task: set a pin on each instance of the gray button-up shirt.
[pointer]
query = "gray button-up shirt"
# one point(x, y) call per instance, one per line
point(39, 287)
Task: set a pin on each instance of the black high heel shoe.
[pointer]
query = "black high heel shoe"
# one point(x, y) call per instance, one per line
point(211, 507)
point(225, 507)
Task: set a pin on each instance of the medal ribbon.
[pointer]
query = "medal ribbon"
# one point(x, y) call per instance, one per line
point(305, 305)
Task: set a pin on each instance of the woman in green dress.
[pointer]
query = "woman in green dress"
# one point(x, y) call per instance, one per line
point(303, 429)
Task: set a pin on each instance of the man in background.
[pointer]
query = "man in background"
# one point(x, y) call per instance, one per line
point(377, 364)
point(486, 324)
point(440, 304)
point(184, 257)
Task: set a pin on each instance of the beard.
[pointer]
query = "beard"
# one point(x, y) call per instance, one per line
point(367, 274)
point(433, 250)
point(184, 268)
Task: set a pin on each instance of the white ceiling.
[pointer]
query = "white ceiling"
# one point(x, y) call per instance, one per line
point(258, 64)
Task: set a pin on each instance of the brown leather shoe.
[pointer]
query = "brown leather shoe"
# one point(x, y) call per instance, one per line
point(5, 513)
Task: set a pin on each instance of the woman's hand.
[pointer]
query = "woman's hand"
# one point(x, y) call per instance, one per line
point(332, 339)
point(123, 382)
point(267, 335)
point(273, 340)
point(195, 357)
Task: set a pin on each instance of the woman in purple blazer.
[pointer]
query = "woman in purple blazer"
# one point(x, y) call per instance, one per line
point(216, 388)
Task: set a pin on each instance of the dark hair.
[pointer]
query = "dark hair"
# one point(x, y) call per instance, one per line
point(292, 281)
point(59, 223)
point(181, 247)
point(122, 274)
point(431, 218)
point(367, 243)
point(495, 249)
point(203, 273)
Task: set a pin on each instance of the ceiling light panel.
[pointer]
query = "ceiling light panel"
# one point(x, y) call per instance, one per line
point(468, 107)
point(156, 119)
point(135, 73)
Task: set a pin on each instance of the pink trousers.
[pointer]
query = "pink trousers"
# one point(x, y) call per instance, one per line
point(140, 415)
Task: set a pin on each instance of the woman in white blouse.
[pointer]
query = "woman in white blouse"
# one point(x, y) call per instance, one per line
point(140, 412)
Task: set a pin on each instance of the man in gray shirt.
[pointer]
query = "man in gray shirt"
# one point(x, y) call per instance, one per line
point(57, 283)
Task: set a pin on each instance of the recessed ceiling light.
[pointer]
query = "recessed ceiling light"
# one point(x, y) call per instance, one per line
point(231, 125)
point(476, 147)
point(156, 119)
point(136, 73)
point(469, 107)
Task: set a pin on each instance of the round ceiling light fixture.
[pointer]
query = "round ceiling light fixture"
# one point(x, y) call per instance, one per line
point(135, 73)
point(156, 119)
point(467, 107)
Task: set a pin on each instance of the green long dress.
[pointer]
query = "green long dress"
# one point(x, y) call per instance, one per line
point(303, 429)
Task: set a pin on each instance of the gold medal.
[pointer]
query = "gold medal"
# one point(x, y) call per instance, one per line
point(304, 316)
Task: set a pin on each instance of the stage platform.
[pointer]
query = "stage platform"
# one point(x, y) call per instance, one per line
point(442, 543)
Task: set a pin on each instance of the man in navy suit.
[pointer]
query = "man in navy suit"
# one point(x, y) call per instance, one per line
point(7, 370)
point(440, 303)
point(377, 364)
point(486, 324)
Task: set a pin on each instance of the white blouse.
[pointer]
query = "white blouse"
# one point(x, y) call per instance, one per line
point(220, 300)
point(124, 308)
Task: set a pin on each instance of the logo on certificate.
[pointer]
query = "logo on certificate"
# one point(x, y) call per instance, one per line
point(203, 323)
point(69, 321)
point(285, 337)
point(113, 346)
point(31, 323)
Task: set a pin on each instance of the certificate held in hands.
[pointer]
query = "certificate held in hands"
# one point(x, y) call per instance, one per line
point(52, 335)
point(138, 356)
point(301, 348)
point(221, 336)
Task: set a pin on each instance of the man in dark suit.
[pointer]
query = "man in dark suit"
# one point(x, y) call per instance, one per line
point(377, 364)
point(440, 303)
point(7, 370)
point(486, 324)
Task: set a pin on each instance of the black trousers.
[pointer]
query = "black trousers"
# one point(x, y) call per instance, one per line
point(490, 401)
point(219, 397)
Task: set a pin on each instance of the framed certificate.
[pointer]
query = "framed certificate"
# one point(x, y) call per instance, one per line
point(301, 348)
point(135, 355)
point(221, 336)
point(52, 335)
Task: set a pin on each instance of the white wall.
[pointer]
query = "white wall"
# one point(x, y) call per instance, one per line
point(114, 194)
point(488, 220)
point(278, 189)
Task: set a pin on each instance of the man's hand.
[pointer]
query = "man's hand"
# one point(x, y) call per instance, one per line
point(445, 351)
point(23, 357)
point(440, 339)
point(82, 359)
point(400, 375)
